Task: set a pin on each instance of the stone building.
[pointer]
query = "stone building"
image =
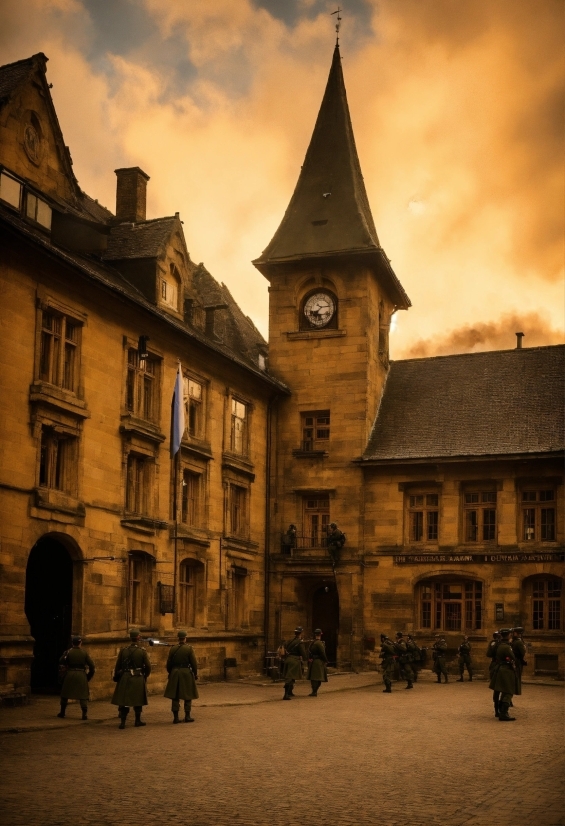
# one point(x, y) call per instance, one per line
point(446, 474)
point(97, 311)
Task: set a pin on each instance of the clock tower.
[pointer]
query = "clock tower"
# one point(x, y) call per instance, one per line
point(332, 294)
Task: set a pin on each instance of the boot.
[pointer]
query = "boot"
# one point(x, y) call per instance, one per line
point(64, 702)
point(387, 690)
point(495, 700)
point(503, 715)
point(175, 716)
point(439, 678)
point(123, 715)
point(187, 707)
point(445, 678)
point(409, 685)
point(138, 721)
point(84, 710)
point(460, 680)
point(470, 676)
point(291, 689)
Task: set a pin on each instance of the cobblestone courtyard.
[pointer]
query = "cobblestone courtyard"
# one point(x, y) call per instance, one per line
point(434, 755)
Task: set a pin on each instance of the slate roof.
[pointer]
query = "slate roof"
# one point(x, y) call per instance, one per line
point(478, 404)
point(13, 74)
point(144, 239)
point(329, 212)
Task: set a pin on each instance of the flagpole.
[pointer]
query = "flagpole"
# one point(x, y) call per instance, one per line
point(177, 432)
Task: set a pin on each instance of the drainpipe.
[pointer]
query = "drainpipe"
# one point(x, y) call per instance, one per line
point(266, 613)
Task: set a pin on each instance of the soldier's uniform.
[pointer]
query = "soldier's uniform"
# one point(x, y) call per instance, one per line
point(464, 652)
point(415, 656)
point(130, 673)
point(439, 648)
point(295, 655)
point(183, 673)
point(388, 657)
point(403, 658)
point(76, 679)
point(335, 542)
point(317, 659)
point(503, 681)
point(519, 650)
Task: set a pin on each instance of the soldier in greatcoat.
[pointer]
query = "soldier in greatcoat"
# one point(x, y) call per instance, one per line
point(75, 663)
point(317, 663)
point(503, 682)
point(388, 657)
point(183, 673)
point(403, 659)
point(464, 652)
point(295, 655)
point(438, 650)
point(415, 655)
point(130, 673)
point(519, 649)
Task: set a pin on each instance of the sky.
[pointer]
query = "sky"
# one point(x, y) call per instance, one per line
point(457, 109)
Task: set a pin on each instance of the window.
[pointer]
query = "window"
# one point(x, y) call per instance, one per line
point(142, 386)
point(168, 289)
point(239, 601)
point(10, 190)
point(59, 348)
point(315, 430)
point(423, 517)
point(316, 520)
point(538, 515)
point(193, 402)
point(480, 516)
point(451, 606)
point(239, 415)
point(239, 522)
point(38, 210)
point(138, 484)
point(546, 604)
point(190, 508)
point(140, 578)
point(190, 584)
point(56, 460)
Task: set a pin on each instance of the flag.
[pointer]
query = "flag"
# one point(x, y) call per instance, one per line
point(178, 414)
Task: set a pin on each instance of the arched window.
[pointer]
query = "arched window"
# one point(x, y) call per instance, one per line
point(191, 581)
point(451, 604)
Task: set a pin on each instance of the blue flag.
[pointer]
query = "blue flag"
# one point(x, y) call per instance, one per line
point(178, 414)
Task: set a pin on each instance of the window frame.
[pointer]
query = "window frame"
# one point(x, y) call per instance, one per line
point(536, 508)
point(138, 402)
point(194, 408)
point(480, 508)
point(433, 604)
point(58, 353)
point(238, 510)
point(139, 484)
point(191, 589)
point(311, 441)
point(423, 516)
point(239, 598)
point(234, 429)
point(316, 518)
point(191, 507)
point(141, 569)
point(57, 460)
point(550, 604)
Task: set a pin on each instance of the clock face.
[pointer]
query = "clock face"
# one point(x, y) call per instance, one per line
point(319, 309)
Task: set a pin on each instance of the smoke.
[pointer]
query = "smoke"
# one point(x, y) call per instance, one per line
point(492, 335)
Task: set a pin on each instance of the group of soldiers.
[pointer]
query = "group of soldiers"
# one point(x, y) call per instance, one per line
point(133, 667)
point(130, 675)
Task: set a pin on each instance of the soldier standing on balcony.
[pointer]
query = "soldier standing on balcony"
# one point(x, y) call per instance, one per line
point(317, 659)
point(295, 655)
point(335, 542)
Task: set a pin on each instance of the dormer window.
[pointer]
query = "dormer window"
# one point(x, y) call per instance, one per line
point(10, 190)
point(38, 210)
point(169, 289)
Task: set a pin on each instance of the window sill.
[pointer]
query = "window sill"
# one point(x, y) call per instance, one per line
point(310, 454)
point(239, 463)
point(132, 425)
point(301, 335)
point(191, 444)
point(56, 500)
point(143, 524)
point(49, 394)
point(196, 535)
point(238, 543)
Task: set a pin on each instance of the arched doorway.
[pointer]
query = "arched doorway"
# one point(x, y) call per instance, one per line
point(48, 607)
point(325, 615)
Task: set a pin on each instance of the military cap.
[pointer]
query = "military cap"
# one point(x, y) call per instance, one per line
point(410, 636)
point(75, 639)
point(399, 634)
point(299, 629)
point(383, 636)
point(318, 631)
point(496, 633)
point(134, 633)
point(519, 629)
point(333, 525)
point(181, 635)
point(504, 632)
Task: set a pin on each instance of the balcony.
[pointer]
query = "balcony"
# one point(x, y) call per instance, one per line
point(310, 449)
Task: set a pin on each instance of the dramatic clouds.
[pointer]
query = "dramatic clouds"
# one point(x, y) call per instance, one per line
point(457, 110)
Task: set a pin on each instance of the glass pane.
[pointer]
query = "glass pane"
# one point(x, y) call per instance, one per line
point(538, 614)
point(452, 616)
point(471, 498)
point(43, 214)
point(417, 526)
point(426, 614)
point(452, 591)
point(554, 588)
point(547, 524)
point(10, 190)
point(432, 525)
point(471, 526)
point(194, 389)
point(489, 524)
point(546, 495)
point(554, 615)
point(539, 589)
point(432, 500)
point(488, 497)
point(529, 496)
point(31, 206)
point(529, 523)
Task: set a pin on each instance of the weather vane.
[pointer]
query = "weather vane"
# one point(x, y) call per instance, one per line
point(337, 24)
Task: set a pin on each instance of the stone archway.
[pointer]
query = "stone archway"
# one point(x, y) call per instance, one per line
point(325, 615)
point(48, 607)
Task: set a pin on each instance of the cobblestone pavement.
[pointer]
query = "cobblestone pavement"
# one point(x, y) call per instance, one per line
point(433, 755)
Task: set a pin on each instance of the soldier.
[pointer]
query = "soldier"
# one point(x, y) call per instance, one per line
point(439, 648)
point(401, 652)
point(183, 673)
point(519, 649)
point(335, 542)
point(415, 655)
point(75, 682)
point(388, 657)
point(295, 654)
point(130, 673)
point(491, 652)
point(503, 681)
point(317, 659)
point(288, 541)
point(464, 652)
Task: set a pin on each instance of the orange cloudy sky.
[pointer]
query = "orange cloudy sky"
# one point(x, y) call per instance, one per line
point(457, 110)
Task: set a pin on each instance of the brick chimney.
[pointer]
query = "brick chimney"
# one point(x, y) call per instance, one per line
point(131, 194)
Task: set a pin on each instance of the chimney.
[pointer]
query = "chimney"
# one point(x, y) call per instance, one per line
point(131, 194)
point(519, 337)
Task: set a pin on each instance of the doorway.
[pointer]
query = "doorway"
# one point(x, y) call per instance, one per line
point(48, 608)
point(325, 615)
